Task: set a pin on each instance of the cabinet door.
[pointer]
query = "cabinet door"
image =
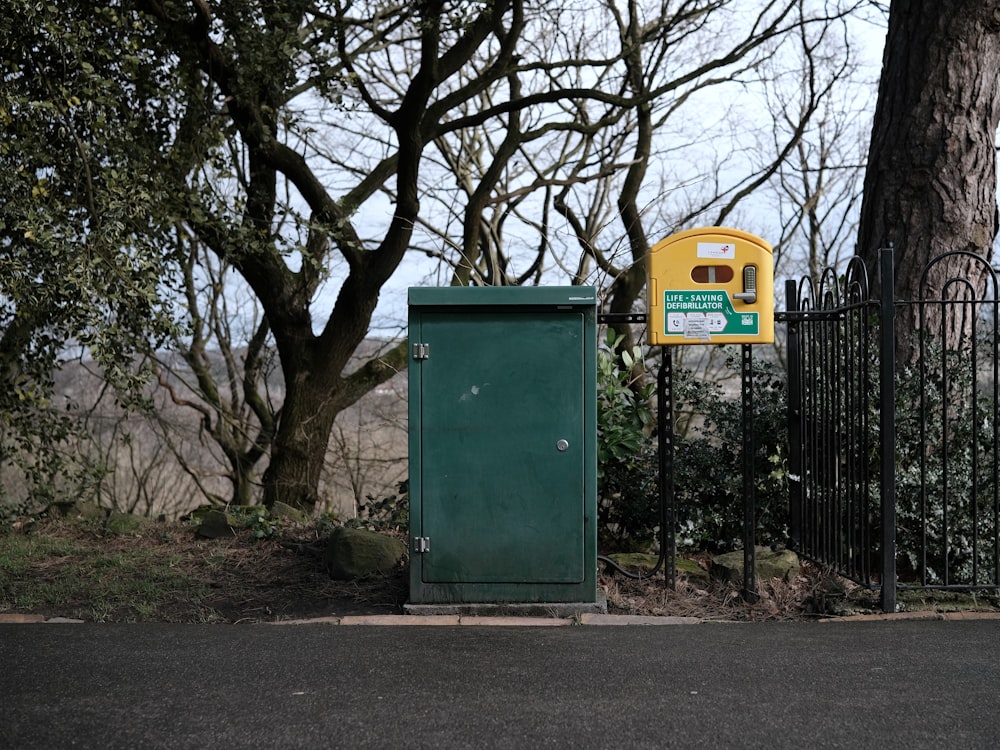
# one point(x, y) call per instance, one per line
point(502, 447)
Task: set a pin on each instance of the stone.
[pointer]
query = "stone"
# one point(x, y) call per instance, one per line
point(591, 619)
point(516, 622)
point(17, 618)
point(400, 620)
point(634, 561)
point(199, 513)
point(783, 564)
point(216, 524)
point(125, 524)
point(356, 553)
point(286, 511)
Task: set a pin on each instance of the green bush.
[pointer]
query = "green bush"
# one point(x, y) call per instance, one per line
point(946, 436)
point(708, 465)
point(708, 462)
point(626, 487)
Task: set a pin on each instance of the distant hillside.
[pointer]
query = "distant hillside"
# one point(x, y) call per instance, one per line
point(165, 461)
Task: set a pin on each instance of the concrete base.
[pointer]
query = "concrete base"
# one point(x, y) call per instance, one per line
point(511, 609)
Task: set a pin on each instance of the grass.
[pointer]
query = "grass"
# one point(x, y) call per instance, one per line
point(76, 570)
point(162, 572)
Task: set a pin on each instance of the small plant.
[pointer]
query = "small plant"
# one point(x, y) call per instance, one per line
point(625, 419)
point(261, 525)
point(325, 524)
point(12, 512)
point(624, 416)
point(389, 513)
point(256, 518)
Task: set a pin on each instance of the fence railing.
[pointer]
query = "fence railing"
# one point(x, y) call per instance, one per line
point(893, 419)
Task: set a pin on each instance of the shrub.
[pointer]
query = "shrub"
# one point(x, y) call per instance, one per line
point(946, 437)
point(708, 465)
point(708, 462)
point(626, 486)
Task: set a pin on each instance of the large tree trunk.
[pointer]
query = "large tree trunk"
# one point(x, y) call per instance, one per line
point(315, 393)
point(930, 186)
point(299, 449)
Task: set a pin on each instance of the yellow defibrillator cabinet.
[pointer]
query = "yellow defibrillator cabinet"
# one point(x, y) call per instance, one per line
point(712, 285)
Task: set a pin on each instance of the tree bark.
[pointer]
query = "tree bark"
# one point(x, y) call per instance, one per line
point(930, 186)
point(315, 394)
point(299, 449)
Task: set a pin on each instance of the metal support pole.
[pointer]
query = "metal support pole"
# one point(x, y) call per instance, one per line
point(887, 425)
point(665, 446)
point(794, 418)
point(749, 482)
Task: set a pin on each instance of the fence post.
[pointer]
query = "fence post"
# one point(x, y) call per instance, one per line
point(887, 431)
point(665, 458)
point(749, 481)
point(794, 418)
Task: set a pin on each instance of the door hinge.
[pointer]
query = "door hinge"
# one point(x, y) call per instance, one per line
point(421, 351)
point(421, 544)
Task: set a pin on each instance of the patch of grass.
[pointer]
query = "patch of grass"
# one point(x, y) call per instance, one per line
point(75, 570)
point(163, 572)
point(20, 552)
point(946, 601)
point(216, 558)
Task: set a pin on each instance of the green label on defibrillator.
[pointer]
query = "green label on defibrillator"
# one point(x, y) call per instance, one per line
point(701, 315)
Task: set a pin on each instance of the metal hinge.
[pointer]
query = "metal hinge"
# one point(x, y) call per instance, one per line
point(421, 351)
point(421, 544)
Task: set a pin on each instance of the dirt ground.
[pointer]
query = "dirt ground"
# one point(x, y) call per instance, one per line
point(164, 572)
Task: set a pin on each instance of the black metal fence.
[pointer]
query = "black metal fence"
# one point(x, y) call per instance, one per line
point(893, 419)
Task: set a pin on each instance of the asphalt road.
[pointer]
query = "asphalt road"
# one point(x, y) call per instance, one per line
point(912, 684)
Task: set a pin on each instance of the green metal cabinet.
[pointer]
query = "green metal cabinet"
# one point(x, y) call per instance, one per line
point(502, 441)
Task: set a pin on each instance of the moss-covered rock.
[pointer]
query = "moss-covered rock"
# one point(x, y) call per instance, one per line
point(216, 524)
point(77, 509)
point(783, 564)
point(357, 553)
point(125, 524)
point(635, 561)
point(287, 512)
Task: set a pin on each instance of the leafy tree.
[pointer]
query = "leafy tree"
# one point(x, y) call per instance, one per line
point(310, 144)
point(80, 253)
